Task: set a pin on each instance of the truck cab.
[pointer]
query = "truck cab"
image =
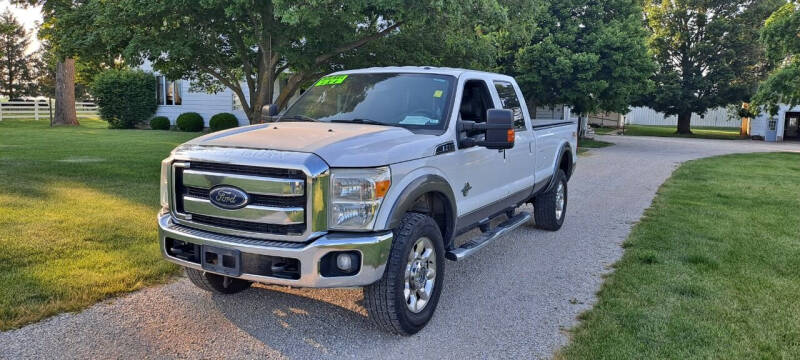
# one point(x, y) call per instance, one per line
point(366, 180)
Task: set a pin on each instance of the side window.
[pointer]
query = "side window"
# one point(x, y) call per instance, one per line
point(510, 101)
point(475, 101)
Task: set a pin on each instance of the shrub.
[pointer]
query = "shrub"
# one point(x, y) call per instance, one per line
point(223, 121)
point(125, 97)
point(190, 121)
point(159, 123)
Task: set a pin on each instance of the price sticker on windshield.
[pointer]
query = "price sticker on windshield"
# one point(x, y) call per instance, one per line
point(331, 80)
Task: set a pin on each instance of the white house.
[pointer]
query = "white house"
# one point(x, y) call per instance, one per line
point(781, 127)
point(175, 97)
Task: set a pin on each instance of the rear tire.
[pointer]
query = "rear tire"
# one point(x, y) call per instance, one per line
point(216, 283)
point(550, 208)
point(396, 302)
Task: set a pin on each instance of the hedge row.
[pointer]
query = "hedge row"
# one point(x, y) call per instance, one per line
point(192, 121)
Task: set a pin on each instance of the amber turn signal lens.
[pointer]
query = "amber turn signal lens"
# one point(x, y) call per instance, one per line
point(510, 135)
point(382, 187)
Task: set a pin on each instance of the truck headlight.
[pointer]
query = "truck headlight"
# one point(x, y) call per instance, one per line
point(356, 196)
point(166, 165)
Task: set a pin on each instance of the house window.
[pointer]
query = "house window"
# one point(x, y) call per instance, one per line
point(168, 92)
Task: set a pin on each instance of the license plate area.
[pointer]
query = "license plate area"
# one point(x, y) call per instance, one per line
point(220, 260)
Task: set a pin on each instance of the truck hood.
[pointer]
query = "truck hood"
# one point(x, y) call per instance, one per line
point(339, 144)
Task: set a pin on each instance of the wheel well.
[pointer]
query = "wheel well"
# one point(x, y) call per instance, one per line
point(436, 205)
point(566, 163)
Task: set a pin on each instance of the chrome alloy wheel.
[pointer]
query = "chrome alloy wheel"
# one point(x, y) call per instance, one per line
point(420, 274)
point(560, 200)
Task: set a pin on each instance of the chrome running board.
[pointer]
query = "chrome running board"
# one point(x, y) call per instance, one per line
point(472, 246)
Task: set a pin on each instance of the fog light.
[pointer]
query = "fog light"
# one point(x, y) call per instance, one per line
point(344, 262)
point(340, 263)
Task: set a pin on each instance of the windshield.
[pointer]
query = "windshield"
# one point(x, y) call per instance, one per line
point(407, 100)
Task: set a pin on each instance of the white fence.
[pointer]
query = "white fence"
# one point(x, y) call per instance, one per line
point(41, 109)
point(718, 117)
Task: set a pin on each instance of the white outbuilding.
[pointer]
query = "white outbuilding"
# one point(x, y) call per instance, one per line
point(783, 126)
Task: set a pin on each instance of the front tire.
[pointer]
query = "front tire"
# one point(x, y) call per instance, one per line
point(217, 284)
point(550, 208)
point(404, 300)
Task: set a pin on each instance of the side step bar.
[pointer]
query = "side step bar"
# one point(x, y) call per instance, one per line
point(472, 246)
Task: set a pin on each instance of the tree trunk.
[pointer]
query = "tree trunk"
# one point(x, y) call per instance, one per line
point(291, 87)
point(65, 94)
point(684, 123)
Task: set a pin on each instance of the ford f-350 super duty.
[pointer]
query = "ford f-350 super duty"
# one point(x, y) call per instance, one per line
point(366, 181)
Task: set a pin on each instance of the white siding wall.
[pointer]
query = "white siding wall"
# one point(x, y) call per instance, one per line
point(714, 117)
point(758, 127)
point(207, 105)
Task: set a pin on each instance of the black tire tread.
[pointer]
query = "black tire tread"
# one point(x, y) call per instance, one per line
point(544, 207)
point(378, 296)
point(203, 280)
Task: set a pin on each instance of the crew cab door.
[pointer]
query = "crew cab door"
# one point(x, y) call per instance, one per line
point(520, 160)
point(476, 173)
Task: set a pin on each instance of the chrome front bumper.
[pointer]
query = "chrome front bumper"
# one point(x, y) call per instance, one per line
point(373, 247)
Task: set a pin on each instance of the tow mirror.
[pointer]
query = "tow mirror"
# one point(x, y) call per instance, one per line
point(499, 128)
point(268, 111)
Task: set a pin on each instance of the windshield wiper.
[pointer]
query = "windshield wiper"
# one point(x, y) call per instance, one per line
point(361, 121)
point(296, 118)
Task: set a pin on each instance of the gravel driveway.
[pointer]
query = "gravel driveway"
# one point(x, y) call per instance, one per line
point(515, 299)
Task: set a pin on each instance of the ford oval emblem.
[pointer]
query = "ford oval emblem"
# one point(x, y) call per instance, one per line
point(228, 197)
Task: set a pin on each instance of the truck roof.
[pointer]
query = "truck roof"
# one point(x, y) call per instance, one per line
point(420, 70)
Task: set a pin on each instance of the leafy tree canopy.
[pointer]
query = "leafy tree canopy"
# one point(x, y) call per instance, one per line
point(781, 37)
point(18, 67)
point(585, 53)
point(707, 53)
point(224, 43)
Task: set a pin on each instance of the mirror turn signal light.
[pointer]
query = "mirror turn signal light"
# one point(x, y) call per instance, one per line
point(510, 136)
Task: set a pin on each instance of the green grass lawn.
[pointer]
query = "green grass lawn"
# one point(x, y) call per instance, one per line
point(602, 130)
point(723, 133)
point(77, 215)
point(711, 271)
point(585, 144)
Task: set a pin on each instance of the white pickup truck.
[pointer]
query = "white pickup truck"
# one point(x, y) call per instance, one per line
point(366, 181)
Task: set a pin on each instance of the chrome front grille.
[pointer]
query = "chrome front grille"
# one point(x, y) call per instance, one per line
point(278, 206)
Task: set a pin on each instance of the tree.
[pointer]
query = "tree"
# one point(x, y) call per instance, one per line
point(780, 37)
point(62, 21)
point(584, 53)
point(706, 53)
point(221, 44)
point(18, 67)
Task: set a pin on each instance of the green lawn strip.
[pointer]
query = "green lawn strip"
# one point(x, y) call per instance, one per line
point(585, 144)
point(711, 271)
point(77, 215)
point(722, 133)
point(593, 144)
point(604, 130)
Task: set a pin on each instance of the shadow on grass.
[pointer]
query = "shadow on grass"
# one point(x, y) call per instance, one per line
point(77, 231)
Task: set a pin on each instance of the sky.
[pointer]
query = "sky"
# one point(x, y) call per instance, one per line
point(29, 17)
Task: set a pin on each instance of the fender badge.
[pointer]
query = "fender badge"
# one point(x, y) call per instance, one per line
point(466, 189)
